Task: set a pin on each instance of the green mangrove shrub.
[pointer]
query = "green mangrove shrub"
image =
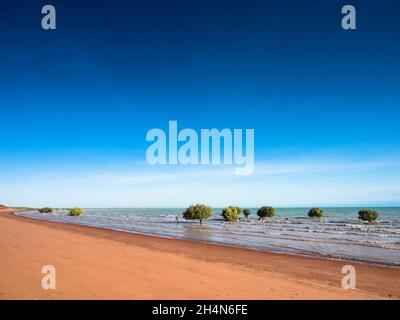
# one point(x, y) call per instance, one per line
point(198, 212)
point(266, 211)
point(45, 210)
point(75, 212)
point(246, 213)
point(231, 213)
point(368, 215)
point(315, 213)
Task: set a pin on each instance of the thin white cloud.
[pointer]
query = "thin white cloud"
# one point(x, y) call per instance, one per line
point(300, 181)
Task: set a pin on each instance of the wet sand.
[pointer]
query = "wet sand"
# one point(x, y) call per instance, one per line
point(96, 263)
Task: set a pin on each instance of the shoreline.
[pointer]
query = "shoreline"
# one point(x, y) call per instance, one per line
point(316, 256)
point(235, 272)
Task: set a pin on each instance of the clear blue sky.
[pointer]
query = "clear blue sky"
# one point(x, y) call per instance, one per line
point(76, 102)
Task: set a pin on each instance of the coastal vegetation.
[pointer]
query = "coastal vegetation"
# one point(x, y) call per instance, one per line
point(45, 210)
point(368, 215)
point(231, 213)
point(266, 211)
point(246, 213)
point(75, 211)
point(202, 212)
point(198, 212)
point(315, 213)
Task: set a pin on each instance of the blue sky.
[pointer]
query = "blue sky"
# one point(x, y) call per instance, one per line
point(76, 103)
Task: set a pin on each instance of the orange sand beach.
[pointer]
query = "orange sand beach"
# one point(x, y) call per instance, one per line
point(95, 263)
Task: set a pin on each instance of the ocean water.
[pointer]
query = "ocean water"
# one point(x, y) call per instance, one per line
point(339, 235)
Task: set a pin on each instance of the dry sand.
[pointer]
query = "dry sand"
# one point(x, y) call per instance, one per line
point(95, 263)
